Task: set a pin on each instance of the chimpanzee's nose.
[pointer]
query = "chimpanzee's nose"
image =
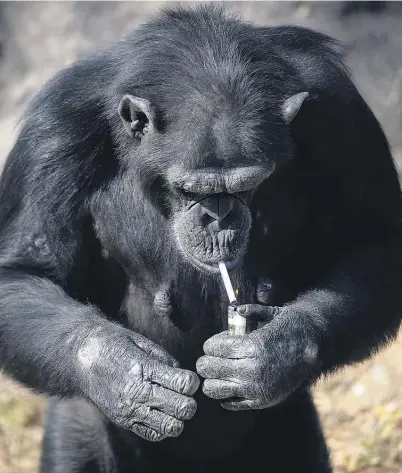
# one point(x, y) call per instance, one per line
point(217, 207)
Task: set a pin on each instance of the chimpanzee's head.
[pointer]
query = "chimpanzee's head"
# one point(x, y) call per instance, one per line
point(209, 166)
point(208, 124)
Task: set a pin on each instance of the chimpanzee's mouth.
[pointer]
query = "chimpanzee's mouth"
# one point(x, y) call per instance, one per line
point(214, 230)
point(212, 268)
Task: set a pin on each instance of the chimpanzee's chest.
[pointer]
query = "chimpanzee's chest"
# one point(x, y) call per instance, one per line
point(180, 314)
point(174, 304)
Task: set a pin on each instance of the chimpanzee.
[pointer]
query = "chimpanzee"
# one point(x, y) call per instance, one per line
point(197, 140)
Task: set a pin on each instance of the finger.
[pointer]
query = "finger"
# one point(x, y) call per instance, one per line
point(261, 313)
point(228, 346)
point(154, 350)
point(159, 421)
point(239, 404)
point(179, 380)
point(212, 367)
point(220, 389)
point(146, 433)
point(179, 406)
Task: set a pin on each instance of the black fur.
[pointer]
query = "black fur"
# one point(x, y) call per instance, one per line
point(86, 241)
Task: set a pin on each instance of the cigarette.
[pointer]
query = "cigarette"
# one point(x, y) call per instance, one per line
point(227, 282)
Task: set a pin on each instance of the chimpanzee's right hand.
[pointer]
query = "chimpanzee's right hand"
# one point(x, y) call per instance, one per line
point(137, 384)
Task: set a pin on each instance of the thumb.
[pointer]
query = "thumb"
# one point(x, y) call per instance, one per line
point(259, 312)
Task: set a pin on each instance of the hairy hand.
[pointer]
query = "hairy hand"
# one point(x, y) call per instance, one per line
point(138, 385)
point(262, 368)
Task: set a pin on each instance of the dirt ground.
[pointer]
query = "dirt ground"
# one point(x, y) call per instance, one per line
point(361, 407)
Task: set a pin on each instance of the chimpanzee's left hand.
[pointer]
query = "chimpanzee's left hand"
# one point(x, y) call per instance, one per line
point(262, 368)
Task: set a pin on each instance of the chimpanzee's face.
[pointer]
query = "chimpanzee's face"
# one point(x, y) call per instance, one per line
point(211, 218)
point(209, 177)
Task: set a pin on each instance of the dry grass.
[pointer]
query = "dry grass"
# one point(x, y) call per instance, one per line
point(361, 409)
point(21, 418)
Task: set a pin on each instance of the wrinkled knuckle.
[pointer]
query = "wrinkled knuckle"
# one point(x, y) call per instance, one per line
point(136, 392)
point(149, 392)
point(128, 422)
point(124, 421)
point(139, 414)
point(136, 370)
point(150, 368)
point(130, 386)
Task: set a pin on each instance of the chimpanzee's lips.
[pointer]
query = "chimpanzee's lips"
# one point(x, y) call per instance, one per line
point(212, 268)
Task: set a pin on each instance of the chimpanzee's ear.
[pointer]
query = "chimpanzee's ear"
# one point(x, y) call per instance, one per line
point(292, 105)
point(137, 115)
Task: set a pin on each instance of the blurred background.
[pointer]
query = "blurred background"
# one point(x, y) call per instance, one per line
point(361, 407)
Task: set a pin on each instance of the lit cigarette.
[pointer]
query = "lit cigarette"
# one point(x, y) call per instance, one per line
point(227, 282)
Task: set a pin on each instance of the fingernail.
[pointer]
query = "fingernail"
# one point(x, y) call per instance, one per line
point(241, 310)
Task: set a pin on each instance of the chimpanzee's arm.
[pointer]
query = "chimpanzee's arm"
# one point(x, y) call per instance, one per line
point(358, 306)
point(50, 340)
point(43, 215)
point(41, 330)
point(42, 219)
